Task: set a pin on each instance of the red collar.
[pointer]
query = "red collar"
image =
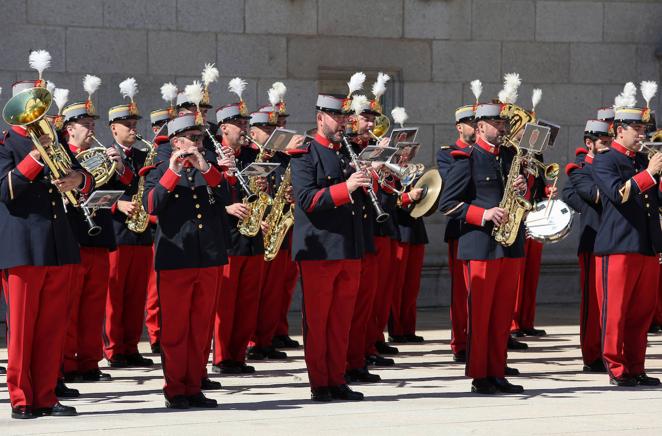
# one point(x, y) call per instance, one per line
point(461, 144)
point(588, 159)
point(619, 148)
point(20, 131)
point(491, 149)
point(326, 143)
point(73, 148)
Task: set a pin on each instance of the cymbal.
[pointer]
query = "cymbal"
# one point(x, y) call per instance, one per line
point(431, 184)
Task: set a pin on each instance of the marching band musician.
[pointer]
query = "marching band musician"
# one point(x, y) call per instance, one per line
point(130, 263)
point(474, 189)
point(185, 196)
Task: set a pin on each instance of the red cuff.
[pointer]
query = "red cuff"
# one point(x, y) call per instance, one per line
point(153, 219)
point(644, 180)
point(475, 215)
point(232, 180)
point(213, 177)
point(87, 182)
point(113, 209)
point(169, 180)
point(127, 177)
point(571, 167)
point(29, 167)
point(340, 194)
point(406, 200)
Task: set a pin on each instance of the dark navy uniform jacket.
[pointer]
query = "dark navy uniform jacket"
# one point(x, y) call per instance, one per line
point(189, 207)
point(475, 183)
point(581, 193)
point(630, 219)
point(34, 228)
point(367, 210)
point(389, 202)
point(444, 161)
point(241, 245)
point(134, 160)
point(327, 224)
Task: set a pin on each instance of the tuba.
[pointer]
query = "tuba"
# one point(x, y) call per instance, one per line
point(280, 219)
point(96, 162)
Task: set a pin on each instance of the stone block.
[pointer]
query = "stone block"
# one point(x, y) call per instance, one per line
point(18, 10)
point(431, 102)
point(281, 16)
point(252, 55)
point(141, 14)
point(609, 93)
point(444, 134)
point(307, 55)
point(633, 21)
point(602, 63)
point(106, 51)
point(537, 62)
point(569, 21)
point(490, 91)
point(503, 20)
point(437, 19)
point(17, 41)
point(371, 18)
point(425, 137)
point(220, 96)
point(466, 60)
point(648, 65)
point(566, 104)
point(225, 16)
point(300, 98)
point(180, 53)
point(64, 12)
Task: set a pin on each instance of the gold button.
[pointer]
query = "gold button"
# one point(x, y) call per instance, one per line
point(487, 179)
point(54, 216)
point(645, 195)
point(353, 213)
point(648, 205)
point(328, 177)
point(50, 191)
point(192, 188)
point(199, 215)
point(365, 215)
point(53, 203)
point(200, 226)
point(197, 206)
point(176, 195)
point(195, 197)
point(363, 207)
point(190, 179)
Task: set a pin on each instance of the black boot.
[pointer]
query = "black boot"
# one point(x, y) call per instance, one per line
point(504, 386)
point(206, 384)
point(343, 392)
point(384, 348)
point(483, 386)
point(362, 375)
point(597, 366)
point(94, 376)
point(199, 401)
point(514, 344)
point(321, 395)
point(534, 332)
point(177, 402)
point(284, 341)
point(377, 360)
point(22, 412)
point(460, 356)
point(62, 391)
point(57, 410)
point(138, 361)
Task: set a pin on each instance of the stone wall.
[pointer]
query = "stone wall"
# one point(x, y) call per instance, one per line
point(579, 52)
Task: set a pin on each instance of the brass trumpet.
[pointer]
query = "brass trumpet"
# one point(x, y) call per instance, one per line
point(534, 166)
point(380, 127)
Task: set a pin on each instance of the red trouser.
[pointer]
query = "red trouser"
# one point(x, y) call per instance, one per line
point(492, 287)
point(329, 294)
point(627, 294)
point(271, 298)
point(590, 331)
point(290, 284)
point(356, 349)
point(387, 274)
point(152, 309)
point(37, 299)
point(127, 292)
point(658, 312)
point(186, 298)
point(525, 303)
point(236, 308)
point(403, 310)
point(87, 305)
point(458, 300)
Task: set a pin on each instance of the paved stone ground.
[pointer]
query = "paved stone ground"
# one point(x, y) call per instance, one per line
point(426, 393)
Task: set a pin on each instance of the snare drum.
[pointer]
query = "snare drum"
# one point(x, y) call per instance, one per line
point(549, 221)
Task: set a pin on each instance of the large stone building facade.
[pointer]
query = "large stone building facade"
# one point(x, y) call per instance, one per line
point(579, 52)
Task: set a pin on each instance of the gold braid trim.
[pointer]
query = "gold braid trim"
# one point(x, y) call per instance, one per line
point(625, 191)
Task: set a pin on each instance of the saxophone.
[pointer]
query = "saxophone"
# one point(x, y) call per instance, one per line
point(250, 226)
point(139, 221)
point(279, 219)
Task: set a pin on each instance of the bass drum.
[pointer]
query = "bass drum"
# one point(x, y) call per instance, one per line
point(549, 221)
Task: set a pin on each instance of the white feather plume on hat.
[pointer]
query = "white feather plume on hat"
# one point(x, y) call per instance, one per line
point(91, 84)
point(129, 88)
point(355, 83)
point(648, 90)
point(399, 115)
point(237, 86)
point(476, 88)
point(209, 74)
point(60, 96)
point(50, 86)
point(627, 98)
point(511, 83)
point(280, 89)
point(536, 96)
point(39, 60)
point(194, 92)
point(379, 87)
point(274, 97)
point(359, 104)
point(169, 92)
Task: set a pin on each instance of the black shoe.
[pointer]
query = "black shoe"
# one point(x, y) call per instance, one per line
point(206, 384)
point(71, 377)
point(201, 402)
point(23, 412)
point(597, 366)
point(119, 361)
point(377, 360)
point(517, 334)
point(534, 332)
point(57, 410)
point(177, 402)
point(285, 342)
point(514, 344)
point(483, 386)
point(343, 392)
point(138, 361)
point(227, 367)
point(644, 380)
point(509, 371)
point(320, 394)
point(274, 354)
point(62, 391)
point(623, 381)
point(3, 370)
point(156, 347)
point(504, 386)
point(246, 369)
point(654, 328)
point(398, 339)
point(414, 339)
point(94, 376)
point(460, 356)
point(256, 353)
point(362, 375)
point(384, 348)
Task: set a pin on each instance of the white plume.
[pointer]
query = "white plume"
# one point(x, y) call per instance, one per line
point(379, 87)
point(274, 99)
point(60, 96)
point(535, 98)
point(628, 97)
point(237, 86)
point(355, 82)
point(91, 84)
point(359, 104)
point(0, 90)
point(50, 86)
point(129, 88)
point(194, 92)
point(169, 92)
point(280, 89)
point(476, 88)
point(209, 74)
point(511, 82)
point(39, 60)
point(648, 90)
point(399, 115)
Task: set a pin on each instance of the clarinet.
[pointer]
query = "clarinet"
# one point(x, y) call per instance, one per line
point(219, 150)
point(381, 215)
